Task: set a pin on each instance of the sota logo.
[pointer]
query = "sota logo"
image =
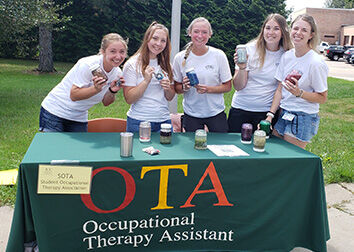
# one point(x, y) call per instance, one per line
point(163, 187)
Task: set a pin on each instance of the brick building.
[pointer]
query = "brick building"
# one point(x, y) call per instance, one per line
point(348, 34)
point(335, 26)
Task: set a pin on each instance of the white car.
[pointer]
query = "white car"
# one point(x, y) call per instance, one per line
point(322, 46)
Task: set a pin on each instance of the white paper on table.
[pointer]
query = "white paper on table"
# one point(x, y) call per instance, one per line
point(227, 150)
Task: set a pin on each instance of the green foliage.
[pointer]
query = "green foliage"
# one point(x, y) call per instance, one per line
point(88, 25)
point(345, 4)
point(7, 195)
point(20, 21)
point(334, 141)
point(233, 22)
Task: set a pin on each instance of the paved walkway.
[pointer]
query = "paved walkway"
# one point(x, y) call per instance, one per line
point(340, 69)
point(340, 203)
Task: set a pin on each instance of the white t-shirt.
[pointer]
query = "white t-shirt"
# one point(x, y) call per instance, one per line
point(152, 106)
point(314, 79)
point(58, 100)
point(257, 95)
point(212, 69)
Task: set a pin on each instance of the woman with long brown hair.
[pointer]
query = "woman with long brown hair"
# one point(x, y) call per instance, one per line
point(254, 80)
point(302, 77)
point(149, 80)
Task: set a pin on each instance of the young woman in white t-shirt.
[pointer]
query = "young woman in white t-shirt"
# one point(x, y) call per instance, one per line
point(254, 80)
point(299, 99)
point(203, 104)
point(65, 108)
point(144, 90)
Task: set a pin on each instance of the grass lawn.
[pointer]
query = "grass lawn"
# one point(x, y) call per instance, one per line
point(22, 91)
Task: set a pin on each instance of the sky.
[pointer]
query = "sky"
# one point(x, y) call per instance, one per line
point(300, 4)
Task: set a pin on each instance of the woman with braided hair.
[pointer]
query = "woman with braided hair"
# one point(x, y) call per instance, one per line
point(203, 103)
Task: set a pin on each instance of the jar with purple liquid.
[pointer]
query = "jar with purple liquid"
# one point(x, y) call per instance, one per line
point(246, 133)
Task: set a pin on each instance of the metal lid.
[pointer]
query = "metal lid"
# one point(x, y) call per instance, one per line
point(166, 126)
point(247, 126)
point(260, 133)
point(200, 132)
point(190, 69)
point(241, 46)
point(145, 124)
point(126, 134)
point(265, 122)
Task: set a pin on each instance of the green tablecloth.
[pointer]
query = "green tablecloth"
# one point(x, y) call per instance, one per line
point(271, 201)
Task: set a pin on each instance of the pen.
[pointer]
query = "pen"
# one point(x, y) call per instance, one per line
point(63, 161)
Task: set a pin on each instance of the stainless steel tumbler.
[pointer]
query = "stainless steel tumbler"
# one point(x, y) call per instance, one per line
point(126, 144)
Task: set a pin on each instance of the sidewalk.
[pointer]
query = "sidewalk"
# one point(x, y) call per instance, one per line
point(340, 203)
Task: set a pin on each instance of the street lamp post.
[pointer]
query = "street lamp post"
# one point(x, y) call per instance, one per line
point(175, 37)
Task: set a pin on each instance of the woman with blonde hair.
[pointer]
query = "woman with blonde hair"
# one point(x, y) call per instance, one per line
point(149, 80)
point(302, 77)
point(254, 80)
point(203, 103)
point(65, 108)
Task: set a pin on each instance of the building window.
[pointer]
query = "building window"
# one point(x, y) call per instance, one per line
point(346, 40)
point(352, 42)
point(329, 36)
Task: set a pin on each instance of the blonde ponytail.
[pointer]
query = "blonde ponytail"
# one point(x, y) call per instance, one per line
point(188, 51)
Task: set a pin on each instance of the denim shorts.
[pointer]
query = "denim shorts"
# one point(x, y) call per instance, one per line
point(133, 125)
point(303, 126)
point(52, 123)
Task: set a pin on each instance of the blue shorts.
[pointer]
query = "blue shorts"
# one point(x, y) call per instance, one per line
point(52, 123)
point(133, 125)
point(303, 126)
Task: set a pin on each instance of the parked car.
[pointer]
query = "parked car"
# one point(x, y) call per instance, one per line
point(322, 46)
point(348, 53)
point(351, 59)
point(335, 52)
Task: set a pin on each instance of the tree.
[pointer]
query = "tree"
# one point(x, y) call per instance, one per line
point(20, 16)
point(129, 18)
point(345, 4)
point(233, 22)
point(48, 16)
point(15, 20)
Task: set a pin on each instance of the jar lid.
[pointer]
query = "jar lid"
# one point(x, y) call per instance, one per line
point(94, 67)
point(264, 122)
point(190, 69)
point(200, 132)
point(260, 133)
point(247, 126)
point(145, 124)
point(241, 46)
point(166, 126)
point(126, 134)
